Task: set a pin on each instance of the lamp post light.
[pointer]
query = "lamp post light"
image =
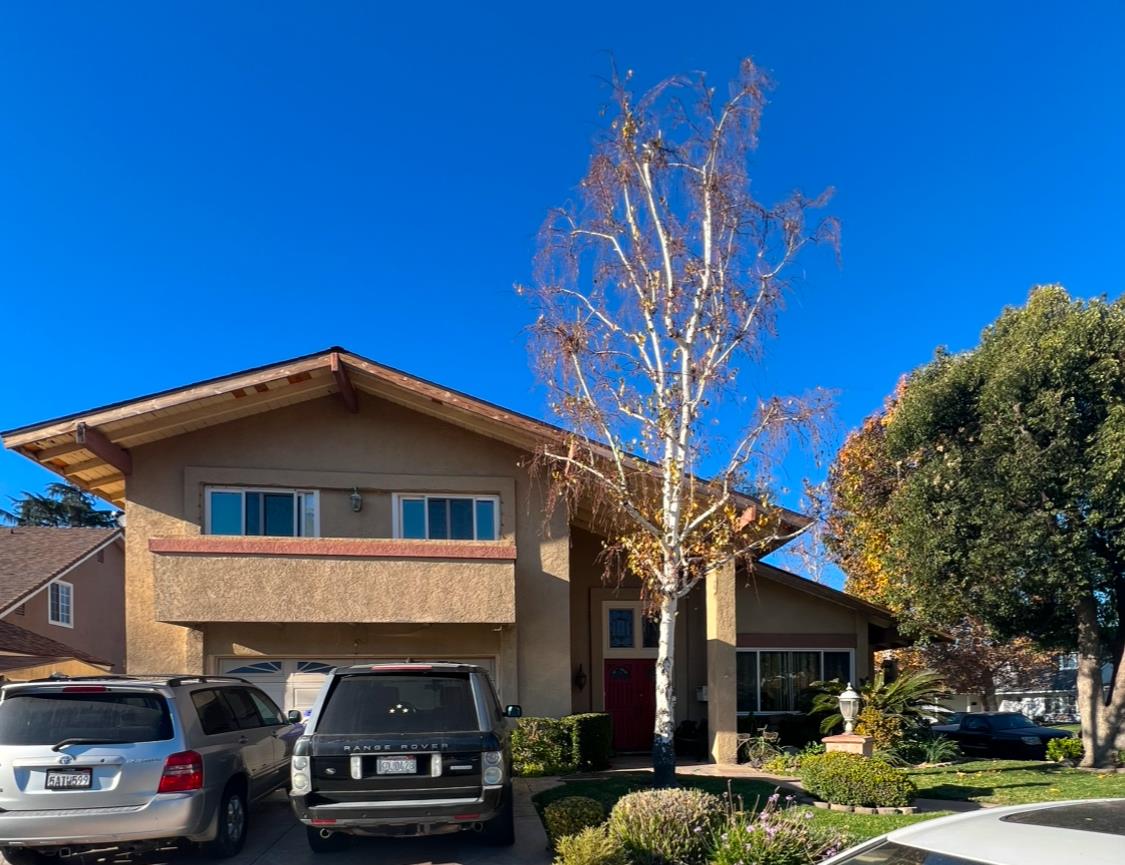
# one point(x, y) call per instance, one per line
point(849, 707)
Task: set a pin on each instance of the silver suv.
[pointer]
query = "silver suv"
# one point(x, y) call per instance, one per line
point(135, 763)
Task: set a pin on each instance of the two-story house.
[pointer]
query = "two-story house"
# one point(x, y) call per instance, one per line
point(62, 601)
point(329, 509)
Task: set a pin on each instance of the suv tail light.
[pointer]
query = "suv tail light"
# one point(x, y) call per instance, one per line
point(183, 772)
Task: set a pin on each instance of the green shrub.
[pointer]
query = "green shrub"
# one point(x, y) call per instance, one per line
point(593, 846)
point(928, 748)
point(885, 729)
point(777, 835)
point(571, 815)
point(1064, 749)
point(789, 761)
point(849, 779)
point(666, 827)
point(591, 737)
point(542, 746)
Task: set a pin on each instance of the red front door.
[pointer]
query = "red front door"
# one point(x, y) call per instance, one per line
point(630, 699)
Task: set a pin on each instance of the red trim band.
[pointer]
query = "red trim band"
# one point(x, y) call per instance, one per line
point(333, 548)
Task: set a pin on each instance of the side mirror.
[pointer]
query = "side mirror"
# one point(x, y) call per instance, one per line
point(294, 716)
point(514, 711)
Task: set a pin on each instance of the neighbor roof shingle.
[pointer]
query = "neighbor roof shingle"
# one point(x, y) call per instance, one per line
point(34, 649)
point(31, 556)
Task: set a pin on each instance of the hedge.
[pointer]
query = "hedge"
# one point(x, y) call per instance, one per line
point(849, 779)
point(558, 746)
point(591, 738)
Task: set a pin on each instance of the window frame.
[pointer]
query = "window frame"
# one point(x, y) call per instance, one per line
point(69, 623)
point(396, 513)
point(792, 650)
point(638, 650)
point(242, 491)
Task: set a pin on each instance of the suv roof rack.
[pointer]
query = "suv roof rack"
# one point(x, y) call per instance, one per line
point(171, 679)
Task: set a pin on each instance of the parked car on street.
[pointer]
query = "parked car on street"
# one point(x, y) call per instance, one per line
point(1048, 833)
point(135, 763)
point(1001, 734)
point(404, 749)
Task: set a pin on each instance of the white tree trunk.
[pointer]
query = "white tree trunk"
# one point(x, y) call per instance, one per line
point(663, 743)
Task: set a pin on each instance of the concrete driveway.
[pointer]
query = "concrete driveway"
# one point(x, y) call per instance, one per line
point(276, 838)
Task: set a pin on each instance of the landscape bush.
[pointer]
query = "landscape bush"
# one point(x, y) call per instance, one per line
point(571, 815)
point(593, 846)
point(666, 827)
point(591, 736)
point(542, 746)
point(849, 779)
point(1064, 749)
point(886, 729)
point(779, 834)
point(559, 746)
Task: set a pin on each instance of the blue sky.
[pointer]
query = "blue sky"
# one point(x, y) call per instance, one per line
point(192, 189)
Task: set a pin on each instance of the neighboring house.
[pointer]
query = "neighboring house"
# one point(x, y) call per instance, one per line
point(329, 509)
point(62, 601)
point(1053, 696)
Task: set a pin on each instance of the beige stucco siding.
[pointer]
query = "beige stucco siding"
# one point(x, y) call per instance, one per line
point(769, 611)
point(319, 445)
point(98, 608)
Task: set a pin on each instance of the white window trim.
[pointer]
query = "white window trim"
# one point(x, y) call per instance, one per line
point(207, 490)
point(70, 591)
point(396, 512)
point(638, 650)
point(758, 671)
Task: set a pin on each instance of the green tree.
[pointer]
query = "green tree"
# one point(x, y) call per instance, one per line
point(1011, 498)
point(60, 505)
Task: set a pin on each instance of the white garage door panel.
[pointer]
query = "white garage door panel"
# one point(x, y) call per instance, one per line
point(293, 683)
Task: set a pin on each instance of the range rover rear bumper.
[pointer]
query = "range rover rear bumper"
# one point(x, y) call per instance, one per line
point(427, 816)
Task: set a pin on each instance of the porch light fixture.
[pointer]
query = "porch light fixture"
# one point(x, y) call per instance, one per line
point(357, 500)
point(849, 707)
point(580, 678)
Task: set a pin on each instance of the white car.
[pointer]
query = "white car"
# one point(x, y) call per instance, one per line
point(1090, 832)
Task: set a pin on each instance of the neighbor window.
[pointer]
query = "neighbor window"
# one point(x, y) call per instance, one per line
point(771, 680)
point(61, 604)
point(453, 518)
point(272, 512)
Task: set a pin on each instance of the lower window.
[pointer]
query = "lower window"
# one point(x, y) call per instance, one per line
point(778, 680)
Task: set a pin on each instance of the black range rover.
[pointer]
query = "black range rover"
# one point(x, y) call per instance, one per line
point(404, 749)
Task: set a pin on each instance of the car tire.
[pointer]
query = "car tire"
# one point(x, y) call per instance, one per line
point(233, 821)
point(500, 831)
point(334, 843)
point(25, 856)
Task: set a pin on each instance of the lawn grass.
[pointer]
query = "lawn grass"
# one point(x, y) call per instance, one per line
point(1014, 782)
point(608, 790)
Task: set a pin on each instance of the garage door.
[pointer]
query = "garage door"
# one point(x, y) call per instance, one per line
point(293, 683)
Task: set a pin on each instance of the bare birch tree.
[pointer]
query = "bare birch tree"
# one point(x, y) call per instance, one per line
point(652, 287)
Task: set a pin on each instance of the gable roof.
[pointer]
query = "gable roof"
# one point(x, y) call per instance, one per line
point(878, 614)
point(20, 648)
point(91, 448)
point(32, 556)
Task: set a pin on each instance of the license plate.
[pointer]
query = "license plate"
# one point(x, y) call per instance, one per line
point(396, 766)
point(70, 779)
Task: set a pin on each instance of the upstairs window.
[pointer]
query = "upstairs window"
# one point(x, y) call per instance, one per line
point(60, 609)
point(270, 512)
point(447, 518)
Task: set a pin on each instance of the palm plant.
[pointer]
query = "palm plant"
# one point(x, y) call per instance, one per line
point(910, 698)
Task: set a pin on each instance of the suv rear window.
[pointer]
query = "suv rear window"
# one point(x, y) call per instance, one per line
point(48, 717)
point(400, 703)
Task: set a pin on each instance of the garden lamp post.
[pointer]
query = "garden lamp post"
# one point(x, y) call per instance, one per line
point(849, 707)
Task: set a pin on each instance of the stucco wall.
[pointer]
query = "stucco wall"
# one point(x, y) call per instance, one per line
point(323, 446)
point(99, 608)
